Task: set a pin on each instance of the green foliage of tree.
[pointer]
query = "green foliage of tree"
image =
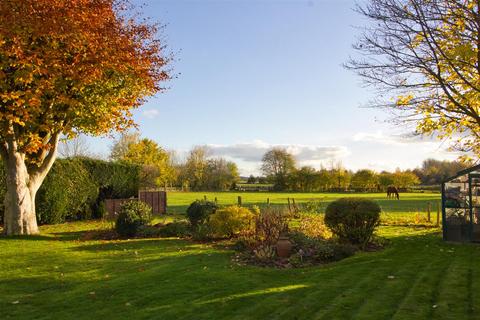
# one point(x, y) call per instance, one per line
point(120, 147)
point(201, 172)
point(365, 180)
point(277, 165)
point(156, 171)
point(304, 179)
point(220, 174)
point(405, 179)
point(434, 172)
point(251, 179)
point(385, 179)
point(195, 167)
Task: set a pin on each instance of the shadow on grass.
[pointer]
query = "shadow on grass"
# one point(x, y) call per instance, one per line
point(55, 236)
point(177, 279)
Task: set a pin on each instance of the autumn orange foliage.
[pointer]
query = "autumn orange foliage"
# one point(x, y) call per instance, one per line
point(68, 67)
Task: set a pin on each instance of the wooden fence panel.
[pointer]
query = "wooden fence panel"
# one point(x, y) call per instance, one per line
point(113, 206)
point(155, 199)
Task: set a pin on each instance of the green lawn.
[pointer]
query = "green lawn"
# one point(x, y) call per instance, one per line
point(56, 276)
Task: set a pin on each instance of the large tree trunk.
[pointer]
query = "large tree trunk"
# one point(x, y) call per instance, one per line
point(23, 183)
point(19, 200)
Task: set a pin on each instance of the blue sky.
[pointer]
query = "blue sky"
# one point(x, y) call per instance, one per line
point(259, 73)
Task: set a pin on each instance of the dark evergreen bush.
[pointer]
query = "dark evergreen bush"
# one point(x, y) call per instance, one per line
point(67, 193)
point(199, 211)
point(132, 216)
point(114, 180)
point(353, 219)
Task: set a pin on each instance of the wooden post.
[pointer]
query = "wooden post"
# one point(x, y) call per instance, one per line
point(289, 208)
point(205, 197)
point(239, 200)
point(216, 201)
point(438, 214)
point(268, 201)
point(429, 207)
point(294, 205)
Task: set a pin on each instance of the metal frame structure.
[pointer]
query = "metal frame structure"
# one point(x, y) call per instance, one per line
point(461, 206)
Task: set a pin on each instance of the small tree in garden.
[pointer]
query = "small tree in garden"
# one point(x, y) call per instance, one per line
point(66, 67)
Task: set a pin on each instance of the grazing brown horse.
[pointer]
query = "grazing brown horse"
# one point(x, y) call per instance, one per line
point(392, 191)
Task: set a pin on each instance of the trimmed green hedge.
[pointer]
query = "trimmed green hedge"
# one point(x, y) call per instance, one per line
point(75, 188)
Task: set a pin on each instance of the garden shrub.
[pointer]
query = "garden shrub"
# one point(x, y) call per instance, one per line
point(199, 211)
point(314, 226)
point(229, 221)
point(269, 224)
point(133, 215)
point(202, 232)
point(255, 209)
point(175, 229)
point(353, 220)
point(180, 229)
point(310, 250)
point(265, 252)
point(311, 207)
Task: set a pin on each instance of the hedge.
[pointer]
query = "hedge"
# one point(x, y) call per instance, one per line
point(75, 188)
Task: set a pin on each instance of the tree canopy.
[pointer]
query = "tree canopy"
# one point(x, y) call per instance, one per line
point(67, 67)
point(277, 165)
point(423, 56)
point(72, 66)
point(156, 170)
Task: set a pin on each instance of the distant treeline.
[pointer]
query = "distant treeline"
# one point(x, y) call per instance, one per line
point(199, 171)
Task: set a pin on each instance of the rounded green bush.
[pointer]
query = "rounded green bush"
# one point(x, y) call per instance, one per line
point(353, 220)
point(229, 221)
point(132, 216)
point(199, 211)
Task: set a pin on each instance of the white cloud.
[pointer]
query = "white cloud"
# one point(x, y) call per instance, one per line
point(252, 152)
point(151, 113)
point(391, 139)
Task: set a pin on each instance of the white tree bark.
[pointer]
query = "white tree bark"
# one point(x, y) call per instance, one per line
point(19, 201)
point(22, 186)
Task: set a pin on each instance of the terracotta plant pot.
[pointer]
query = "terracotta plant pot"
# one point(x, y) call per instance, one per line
point(284, 247)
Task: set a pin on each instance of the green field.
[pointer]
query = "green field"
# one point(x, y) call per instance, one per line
point(404, 209)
